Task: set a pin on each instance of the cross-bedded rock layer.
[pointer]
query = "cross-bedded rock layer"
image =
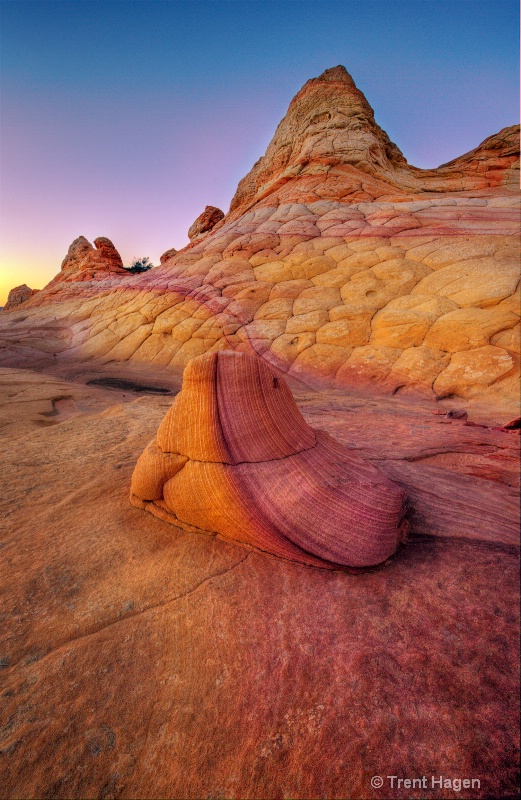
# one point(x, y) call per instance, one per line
point(338, 263)
point(234, 455)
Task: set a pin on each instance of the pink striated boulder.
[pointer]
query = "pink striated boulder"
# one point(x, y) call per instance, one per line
point(234, 455)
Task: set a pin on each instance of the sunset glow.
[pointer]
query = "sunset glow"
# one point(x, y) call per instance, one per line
point(126, 119)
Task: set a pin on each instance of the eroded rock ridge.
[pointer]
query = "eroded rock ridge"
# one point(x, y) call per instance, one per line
point(338, 263)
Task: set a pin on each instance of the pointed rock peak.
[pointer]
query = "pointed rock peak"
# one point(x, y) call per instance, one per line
point(336, 74)
point(329, 126)
point(80, 242)
point(80, 248)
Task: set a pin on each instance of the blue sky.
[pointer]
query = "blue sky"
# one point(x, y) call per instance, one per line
point(125, 118)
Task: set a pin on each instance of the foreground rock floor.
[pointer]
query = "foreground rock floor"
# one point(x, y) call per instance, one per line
point(142, 661)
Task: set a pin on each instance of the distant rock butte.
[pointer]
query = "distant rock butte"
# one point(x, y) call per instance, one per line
point(18, 295)
point(85, 263)
point(234, 455)
point(83, 260)
point(338, 263)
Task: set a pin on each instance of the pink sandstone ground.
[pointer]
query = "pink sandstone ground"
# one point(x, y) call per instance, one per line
point(140, 660)
point(143, 661)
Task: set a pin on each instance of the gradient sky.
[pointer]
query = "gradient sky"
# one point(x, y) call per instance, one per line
point(126, 118)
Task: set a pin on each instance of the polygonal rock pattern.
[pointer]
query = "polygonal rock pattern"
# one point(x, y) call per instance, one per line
point(478, 367)
point(338, 263)
point(235, 456)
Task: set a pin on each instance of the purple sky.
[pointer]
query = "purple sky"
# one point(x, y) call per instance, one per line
point(124, 119)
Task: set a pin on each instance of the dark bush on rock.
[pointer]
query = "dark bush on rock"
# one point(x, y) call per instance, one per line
point(139, 265)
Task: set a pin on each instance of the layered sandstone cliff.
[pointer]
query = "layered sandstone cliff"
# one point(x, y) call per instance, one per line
point(338, 263)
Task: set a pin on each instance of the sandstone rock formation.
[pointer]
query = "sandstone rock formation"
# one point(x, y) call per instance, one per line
point(205, 222)
point(338, 263)
point(167, 255)
point(85, 266)
point(18, 295)
point(83, 261)
point(234, 455)
point(138, 660)
point(329, 135)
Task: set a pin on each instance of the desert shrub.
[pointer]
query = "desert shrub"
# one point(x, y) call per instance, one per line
point(140, 265)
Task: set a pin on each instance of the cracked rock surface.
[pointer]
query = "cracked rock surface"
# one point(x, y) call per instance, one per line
point(338, 262)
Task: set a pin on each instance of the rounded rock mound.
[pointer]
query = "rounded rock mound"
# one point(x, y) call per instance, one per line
point(19, 295)
point(205, 222)
point(235, 456)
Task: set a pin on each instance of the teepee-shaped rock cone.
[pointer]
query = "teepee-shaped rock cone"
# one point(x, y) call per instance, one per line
point(234, 456)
